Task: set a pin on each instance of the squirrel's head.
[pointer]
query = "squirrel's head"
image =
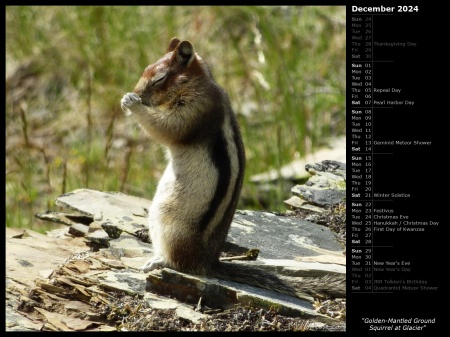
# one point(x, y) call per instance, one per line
point(174, 77)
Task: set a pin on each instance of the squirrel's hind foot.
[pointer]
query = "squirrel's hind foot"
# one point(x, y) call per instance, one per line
point(154, 263)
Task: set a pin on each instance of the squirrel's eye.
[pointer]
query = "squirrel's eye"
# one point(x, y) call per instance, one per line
point(159, 80)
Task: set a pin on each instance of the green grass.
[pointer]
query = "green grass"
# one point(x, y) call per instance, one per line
point(68, 67)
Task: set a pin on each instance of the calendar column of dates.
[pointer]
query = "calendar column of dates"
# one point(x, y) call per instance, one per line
point(361, 75)
point(394, 238)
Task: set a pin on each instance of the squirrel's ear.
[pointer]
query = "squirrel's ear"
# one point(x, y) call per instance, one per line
point(172, 44)
point(185, 52)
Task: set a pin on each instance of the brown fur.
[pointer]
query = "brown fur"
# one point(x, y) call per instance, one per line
point(179, 104)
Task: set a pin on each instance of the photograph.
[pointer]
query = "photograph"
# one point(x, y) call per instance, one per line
point(178, 168)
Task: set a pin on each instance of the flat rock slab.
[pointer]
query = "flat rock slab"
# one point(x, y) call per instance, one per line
point(31, 255)
point(282, 237)
point(276, 236)
point(98, 204)
point(311, 268)
point(115, 213)
point(224, 294)
point(283, 241)
point(115, 222)
point(128, 246)
point(325, 187)
point(184, 311)
point(126, 281)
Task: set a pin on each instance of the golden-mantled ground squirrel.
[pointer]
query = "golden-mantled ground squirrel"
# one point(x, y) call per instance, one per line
point(179, 104)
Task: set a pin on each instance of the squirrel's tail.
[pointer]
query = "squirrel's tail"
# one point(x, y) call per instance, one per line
point(300, 287)
point(328, 286)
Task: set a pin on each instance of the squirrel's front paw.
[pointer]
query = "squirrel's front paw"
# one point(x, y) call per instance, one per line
point(129, 100)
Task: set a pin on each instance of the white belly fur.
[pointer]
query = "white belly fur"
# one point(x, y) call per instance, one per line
point(183, 200)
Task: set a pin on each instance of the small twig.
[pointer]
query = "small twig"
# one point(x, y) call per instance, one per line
point(199, 305)
point(251, 255)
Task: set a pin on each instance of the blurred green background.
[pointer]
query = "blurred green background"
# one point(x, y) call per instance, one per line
point(68, 67)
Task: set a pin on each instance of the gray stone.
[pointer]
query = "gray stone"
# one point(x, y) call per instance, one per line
point(124, 280)
point(250, 229)
point(325, 187)
point(115, 225)
point(30, 252)
point(280, 237)
point(223, 294)
point(78, 229)
point(128, 246)
point(318, 196)
point(312, 268)
point(65, 218)
point(287, 245)
point(16, 321)
point(182, 310)
point(99, 237)
point(189, 314)
point(160, 302)
point(100, 204)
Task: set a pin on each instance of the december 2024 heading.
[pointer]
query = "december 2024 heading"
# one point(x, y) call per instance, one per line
point(383, 9)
